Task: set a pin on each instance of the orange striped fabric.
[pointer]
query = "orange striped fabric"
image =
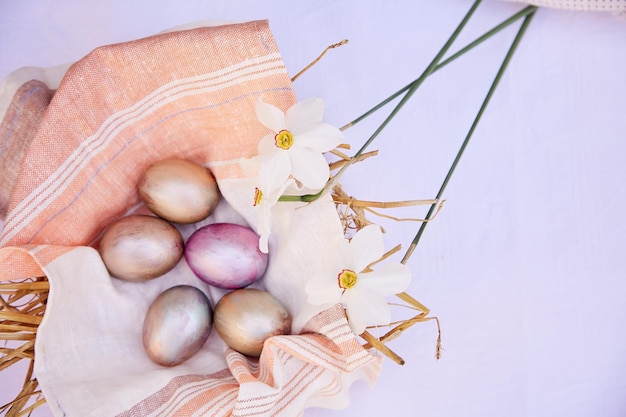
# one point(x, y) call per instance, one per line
point(293, 372)
point(21, 118)
point(187, 94)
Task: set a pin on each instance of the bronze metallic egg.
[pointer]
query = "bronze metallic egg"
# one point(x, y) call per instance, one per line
point(140, 248)
point(246, 317)
point(178, 190)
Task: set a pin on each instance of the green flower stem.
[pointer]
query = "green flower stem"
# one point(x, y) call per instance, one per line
point(429, 70)
point(494, 84)
point(496, 29)
point(307, 198)
point(407, 96)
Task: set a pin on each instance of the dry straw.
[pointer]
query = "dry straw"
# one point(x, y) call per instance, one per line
point(23, 304)
point(352, 215)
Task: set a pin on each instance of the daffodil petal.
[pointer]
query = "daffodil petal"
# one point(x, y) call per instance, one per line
point(387, 279)
point(365, 308)
point(270, 116)
point(250, 167)
point(264, 213)
point(322, 137)
point(272, 199)
point(267, 146)
point(322, 290)
point(274, 171)
point(309, 167)
point(304, 115)
point(264, 236)
point(357, 324)
point(367, 246)
point(265, 207)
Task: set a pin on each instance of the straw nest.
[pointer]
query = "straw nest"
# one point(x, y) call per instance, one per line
point(23, 304)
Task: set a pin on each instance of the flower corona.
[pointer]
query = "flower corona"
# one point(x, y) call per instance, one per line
point(347, 279)
point(258, 196)
point(360, 290)
point(296, 145)
point(284, 139)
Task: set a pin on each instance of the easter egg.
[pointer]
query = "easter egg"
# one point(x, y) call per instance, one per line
point(226, 255)
point(246, 317)
point(177, 325)
point(179, 191)
point(140, 248)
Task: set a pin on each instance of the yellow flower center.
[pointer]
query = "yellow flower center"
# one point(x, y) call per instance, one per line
point(346, 279)
point(284, 139)
point(258, 196)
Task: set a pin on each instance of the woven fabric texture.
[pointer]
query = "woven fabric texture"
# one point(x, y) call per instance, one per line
point(617, 7)
point(71, 161)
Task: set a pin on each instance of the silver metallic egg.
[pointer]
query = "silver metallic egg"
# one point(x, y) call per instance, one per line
point(178, 190)
point(177, 325)
point(246, 317)
point(140, 248)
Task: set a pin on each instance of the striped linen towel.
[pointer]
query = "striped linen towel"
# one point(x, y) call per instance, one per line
point(616, 7)
point(73, 148)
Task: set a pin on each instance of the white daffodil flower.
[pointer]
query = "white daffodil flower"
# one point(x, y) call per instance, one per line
point(362, 292)
point(264, 202)
point(296, 146)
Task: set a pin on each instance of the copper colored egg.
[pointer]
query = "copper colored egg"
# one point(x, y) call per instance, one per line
point(226, 255)
point(177, 325)
point(245, 318)
point(179, 191)
point(140, 248)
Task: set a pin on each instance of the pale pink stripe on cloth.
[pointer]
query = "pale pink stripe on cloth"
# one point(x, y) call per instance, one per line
point(293, 372)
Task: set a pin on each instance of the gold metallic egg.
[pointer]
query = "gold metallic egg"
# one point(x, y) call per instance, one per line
point(140, 248)
point(177, 325)
point(246, 317)
point(179, 191)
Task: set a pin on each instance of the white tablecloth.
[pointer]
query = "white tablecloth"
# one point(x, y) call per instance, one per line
point(525, 265)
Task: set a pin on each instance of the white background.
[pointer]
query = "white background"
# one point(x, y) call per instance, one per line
point(525, 265)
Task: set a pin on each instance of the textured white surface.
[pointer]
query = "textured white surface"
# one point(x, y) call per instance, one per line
point(524, 266)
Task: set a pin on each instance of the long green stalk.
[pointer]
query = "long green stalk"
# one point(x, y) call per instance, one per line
point(410, 91)
point(459, 154)
point(496, 29)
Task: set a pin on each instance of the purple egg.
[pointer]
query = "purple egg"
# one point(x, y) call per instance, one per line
point(226, 255)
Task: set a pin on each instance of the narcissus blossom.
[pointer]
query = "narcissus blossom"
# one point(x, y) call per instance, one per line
point(351, 283)
point(296, 145)
point(264, 203)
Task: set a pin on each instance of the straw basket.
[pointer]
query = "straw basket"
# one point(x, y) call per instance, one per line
point(187, 94)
